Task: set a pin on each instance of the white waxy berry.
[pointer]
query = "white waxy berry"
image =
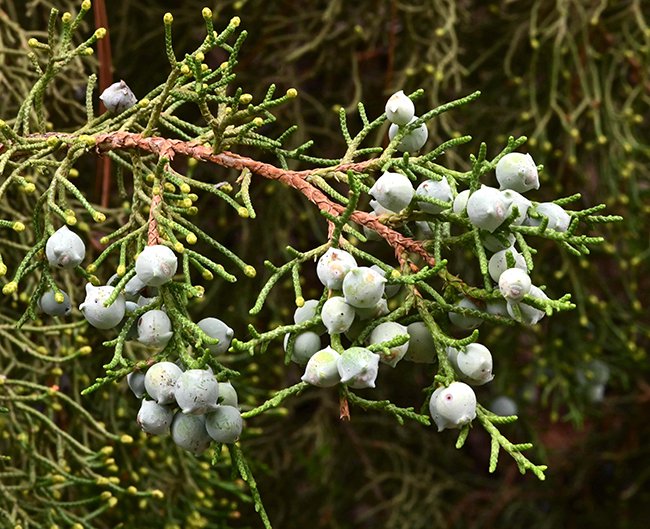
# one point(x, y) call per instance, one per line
point(384, 332)
point(118, 97)
point(517, 171)
point(160, 381)
point(400, 109)
point(337, 315)
point(64, 249)
point(438, 189)
point(463, 321)
point(50, 306)
point(308, 311)
point(453, 406)
point(135, 381)
point(486, 208)
point(421, 348)
point(154, 328)
point(593, 372)
point(224, 424)
point(379, 310)
point(96, 313)
point(514, 199)
point(153, 418)
point(498, 263)
point(304, 346)
point(497, 242)
point(498, 307)
point(528, 314)
point(215, 328)
point(393, 191)
point(189, 432)
point(321, 369)
point(475, 364)
point(514, 284)
point(227, 394)
point(196, 391)
point(389, 290)
point(460, 202)
point(363, 287)
point(358, 367)
point(558, 219)
point(413, 141)
point(133, 287)
point(156, 265)
point(333, 266)
point(378, 209)
point(504, 406)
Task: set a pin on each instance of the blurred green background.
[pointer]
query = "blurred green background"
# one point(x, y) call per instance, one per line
point(573, 76)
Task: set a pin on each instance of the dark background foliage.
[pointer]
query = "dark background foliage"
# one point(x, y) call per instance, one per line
point(574, 77)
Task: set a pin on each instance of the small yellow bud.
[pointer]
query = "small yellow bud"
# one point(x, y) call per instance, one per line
point(193, 197)
point(185, 188)
point(100, 33)
point(10, 288)
point(204, 68)
point(107, 450)
point(244, 99)
point(250, 271)
point(169, 187)
point(87, 51)
point(156, 190)
point(186, 203)
point(132, 490)
point(144, 102)
point(126, 439)
point(53, 141)
point(73, 173)
point(235, 21)
point(291, 93)
point(185, 69)
point(206, 12)
point(32, 43)
point(258, 122)
point(207, 275)
point(103, 240)
point(59, 297)
point(300, 301)
point(199, 56)
point(88, 140)
point(85, 5)
point(191, 238)
point(243, 212)
point(226, 188)
point(121, 270)
point(66, 17)
point(112, 502)
point(395, 274)
point(18, 226)
point(199, 291)
point(98, 216)
point(91, 268)
point(106, 495)
point(168, 18)
point(29, 187)
point(158, 494)
point(57, 372)
point(3, 269)
point(70, 220)
point(179, 247)
point(192, 211)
